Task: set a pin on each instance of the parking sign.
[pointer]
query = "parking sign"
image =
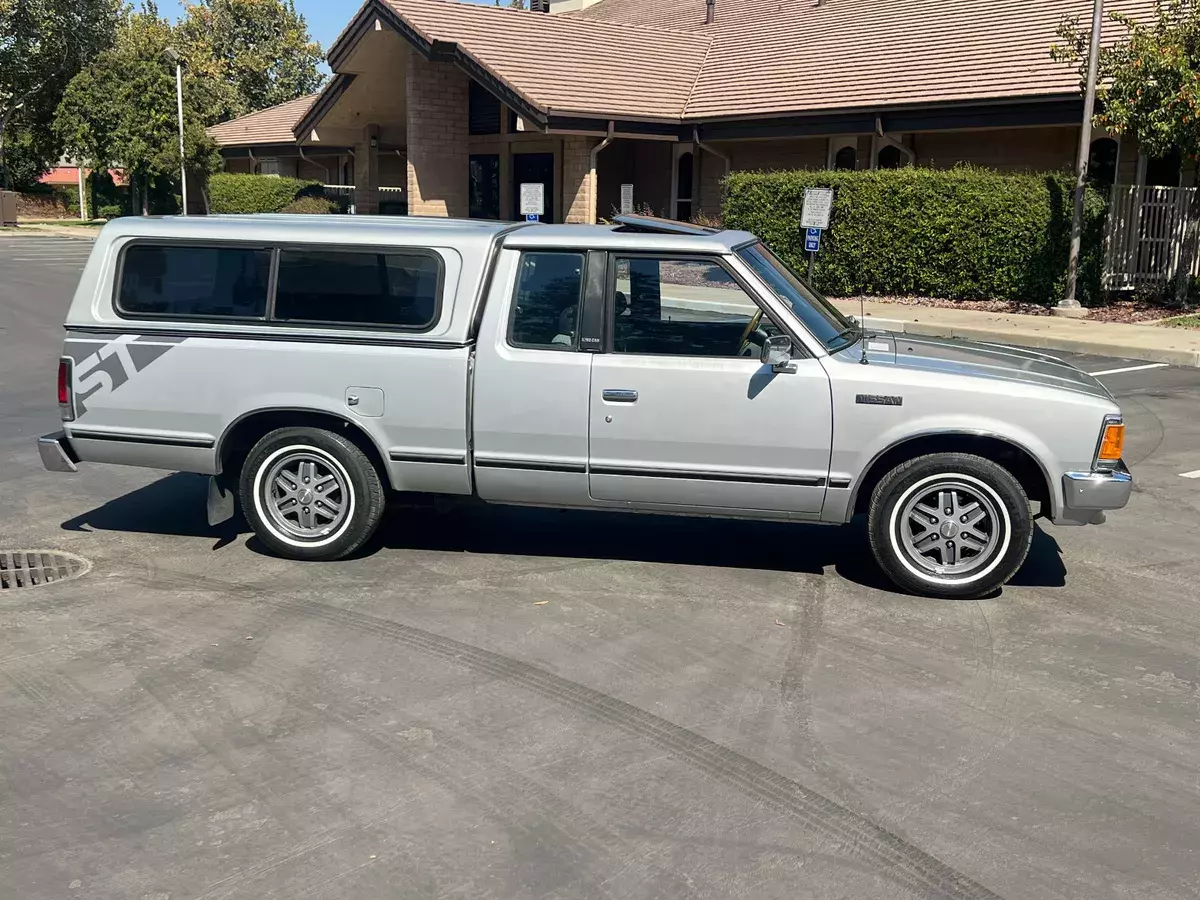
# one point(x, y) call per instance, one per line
point(812, 240)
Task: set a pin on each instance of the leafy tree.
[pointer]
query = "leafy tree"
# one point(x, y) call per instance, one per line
point(1149, 84)
point(43, 44)
point(120, 110)
point(250, 54)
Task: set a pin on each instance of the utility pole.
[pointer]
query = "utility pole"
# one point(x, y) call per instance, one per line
point(174, 57)
point(1070, 306)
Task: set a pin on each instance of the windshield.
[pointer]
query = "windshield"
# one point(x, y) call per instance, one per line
point(819, 316)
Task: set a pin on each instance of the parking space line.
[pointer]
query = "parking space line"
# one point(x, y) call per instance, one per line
point(1129, 369)
point(1195, 474)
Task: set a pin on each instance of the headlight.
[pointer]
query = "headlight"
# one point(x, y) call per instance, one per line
point(1112, 443)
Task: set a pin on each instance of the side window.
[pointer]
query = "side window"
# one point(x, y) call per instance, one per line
point(194, 282)
point(683, 307)
point(395, 289)
point(545, 311)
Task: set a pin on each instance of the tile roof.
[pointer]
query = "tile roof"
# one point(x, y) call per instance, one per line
point(569, 66)
point(267, 126)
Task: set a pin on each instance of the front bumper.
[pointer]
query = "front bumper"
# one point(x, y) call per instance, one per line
point(1086, 495)
point(56, 452)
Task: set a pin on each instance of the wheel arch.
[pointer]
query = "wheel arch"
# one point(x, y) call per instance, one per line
point(1018, 459)
point(246, 430)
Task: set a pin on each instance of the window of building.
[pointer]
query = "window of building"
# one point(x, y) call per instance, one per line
point(485, 186)
point(397, 289)
point(846, 159)
point(890, 157)
point(1102, 161)
point(545, 312)
point(1163, 171)
point(189, 282)
point(681, 307)
point(683, 186)
point(483, 110)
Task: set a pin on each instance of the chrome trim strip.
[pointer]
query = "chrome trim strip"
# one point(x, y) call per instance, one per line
point(736, 477)
point(317, 337)
point(532, 465)
point(451, 459)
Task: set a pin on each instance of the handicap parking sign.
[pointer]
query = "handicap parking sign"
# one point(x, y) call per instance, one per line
point(812, 240)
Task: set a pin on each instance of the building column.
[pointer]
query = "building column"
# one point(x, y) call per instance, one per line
point(366, 172)
point(438, 170)
point(578, 180)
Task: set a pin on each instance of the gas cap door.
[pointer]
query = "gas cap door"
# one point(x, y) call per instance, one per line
point(365, 401)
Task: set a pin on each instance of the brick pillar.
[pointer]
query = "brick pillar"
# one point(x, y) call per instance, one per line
point(438, 177)
point(366, 173)
point(578, 180)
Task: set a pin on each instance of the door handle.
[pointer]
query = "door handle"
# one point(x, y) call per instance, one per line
point(619, 396)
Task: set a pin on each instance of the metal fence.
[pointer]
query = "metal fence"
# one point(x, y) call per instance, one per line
point(392, 199)
point(1151, 239)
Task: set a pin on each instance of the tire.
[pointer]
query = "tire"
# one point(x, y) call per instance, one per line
point(968, 553)
point(335, 512)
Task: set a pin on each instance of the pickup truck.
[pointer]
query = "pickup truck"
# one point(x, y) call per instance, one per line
point(317, 366)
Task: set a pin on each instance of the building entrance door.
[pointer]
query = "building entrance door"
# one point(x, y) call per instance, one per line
point(528, 168)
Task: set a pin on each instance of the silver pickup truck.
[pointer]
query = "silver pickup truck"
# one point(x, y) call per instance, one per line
point(313, 366)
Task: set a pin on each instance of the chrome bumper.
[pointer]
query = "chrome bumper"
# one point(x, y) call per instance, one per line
point(1086, 495)
point(56, 452)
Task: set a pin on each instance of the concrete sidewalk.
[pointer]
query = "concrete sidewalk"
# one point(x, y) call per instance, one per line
point(73, 231)
point(1177, 346)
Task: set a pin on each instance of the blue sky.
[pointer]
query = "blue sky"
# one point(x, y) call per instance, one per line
point(326, 18)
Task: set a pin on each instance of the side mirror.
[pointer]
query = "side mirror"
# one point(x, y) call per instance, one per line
point(777, 352)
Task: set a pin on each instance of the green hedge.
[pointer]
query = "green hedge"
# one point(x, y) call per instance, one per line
point(228, 193)
point(962, 233)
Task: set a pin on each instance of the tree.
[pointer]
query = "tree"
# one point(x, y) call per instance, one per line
point(1149, 84)
point(250, 54)
point(43, 44)
point(120, 109)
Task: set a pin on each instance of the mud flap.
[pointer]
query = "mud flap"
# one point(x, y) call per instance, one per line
point(220, 501)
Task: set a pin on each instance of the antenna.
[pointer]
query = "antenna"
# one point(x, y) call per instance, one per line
point(862, 331)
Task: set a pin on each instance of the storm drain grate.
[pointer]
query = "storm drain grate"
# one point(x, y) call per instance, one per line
point(29, 568)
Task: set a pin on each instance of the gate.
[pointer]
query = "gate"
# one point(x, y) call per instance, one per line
point(1150, 240)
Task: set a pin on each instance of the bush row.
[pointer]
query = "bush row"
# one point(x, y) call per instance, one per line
point(963, 233)
point(229, 193)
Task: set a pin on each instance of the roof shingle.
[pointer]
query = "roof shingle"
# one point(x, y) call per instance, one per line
point(267, 126)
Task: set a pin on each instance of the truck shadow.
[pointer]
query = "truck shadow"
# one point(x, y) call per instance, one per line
point(175, 506)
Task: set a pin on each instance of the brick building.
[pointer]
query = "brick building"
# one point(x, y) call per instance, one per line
point(445, 108)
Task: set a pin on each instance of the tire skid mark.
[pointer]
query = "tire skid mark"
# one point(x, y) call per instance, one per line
point(901, 861)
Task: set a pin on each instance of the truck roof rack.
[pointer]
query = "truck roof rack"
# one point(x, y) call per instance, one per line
point(655, 225)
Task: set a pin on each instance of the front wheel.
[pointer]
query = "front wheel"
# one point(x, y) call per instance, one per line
point(311, 494)
point(950, 525)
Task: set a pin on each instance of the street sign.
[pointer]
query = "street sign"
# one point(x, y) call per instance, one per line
point(532, 217)
point(818, 204)
point(812, 240)
point(533, 199)
point(626, 199)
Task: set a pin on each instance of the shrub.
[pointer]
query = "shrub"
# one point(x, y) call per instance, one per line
point(228, 193)
point(962, 233)
point(111, 211)
point(317, 206)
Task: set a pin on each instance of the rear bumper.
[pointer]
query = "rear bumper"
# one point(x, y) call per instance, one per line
point(1086, 495)
point(56, 453)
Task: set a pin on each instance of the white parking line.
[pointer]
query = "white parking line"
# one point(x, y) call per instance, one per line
point(1129, 369)
point(1195, 474)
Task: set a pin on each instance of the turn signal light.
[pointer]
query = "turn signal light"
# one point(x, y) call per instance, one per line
point(1112, 444)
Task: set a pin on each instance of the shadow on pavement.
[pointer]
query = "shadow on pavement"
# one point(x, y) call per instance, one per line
point(175, 505)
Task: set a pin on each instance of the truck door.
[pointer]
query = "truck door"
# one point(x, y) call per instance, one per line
point(530, 398)
point(683, 414)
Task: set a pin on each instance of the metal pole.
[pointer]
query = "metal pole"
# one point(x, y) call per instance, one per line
point(1070, 304)
point(182, 160)
point(82, 196)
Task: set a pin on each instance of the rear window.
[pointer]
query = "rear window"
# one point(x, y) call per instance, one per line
point(396, 289)
point(194, 282)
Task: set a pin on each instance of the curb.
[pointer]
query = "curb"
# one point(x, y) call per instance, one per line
point(1091, 346)
point(89, 232)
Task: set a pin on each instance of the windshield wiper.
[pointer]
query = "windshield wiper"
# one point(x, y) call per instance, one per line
point(855, 332)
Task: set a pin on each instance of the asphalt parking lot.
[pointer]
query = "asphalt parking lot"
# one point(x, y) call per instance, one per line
point(525, 704)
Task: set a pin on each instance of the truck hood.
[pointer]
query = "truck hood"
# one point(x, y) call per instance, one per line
point(978, 360)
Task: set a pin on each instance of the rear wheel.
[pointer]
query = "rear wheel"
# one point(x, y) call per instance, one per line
point(950, 525)
point(311, 494)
